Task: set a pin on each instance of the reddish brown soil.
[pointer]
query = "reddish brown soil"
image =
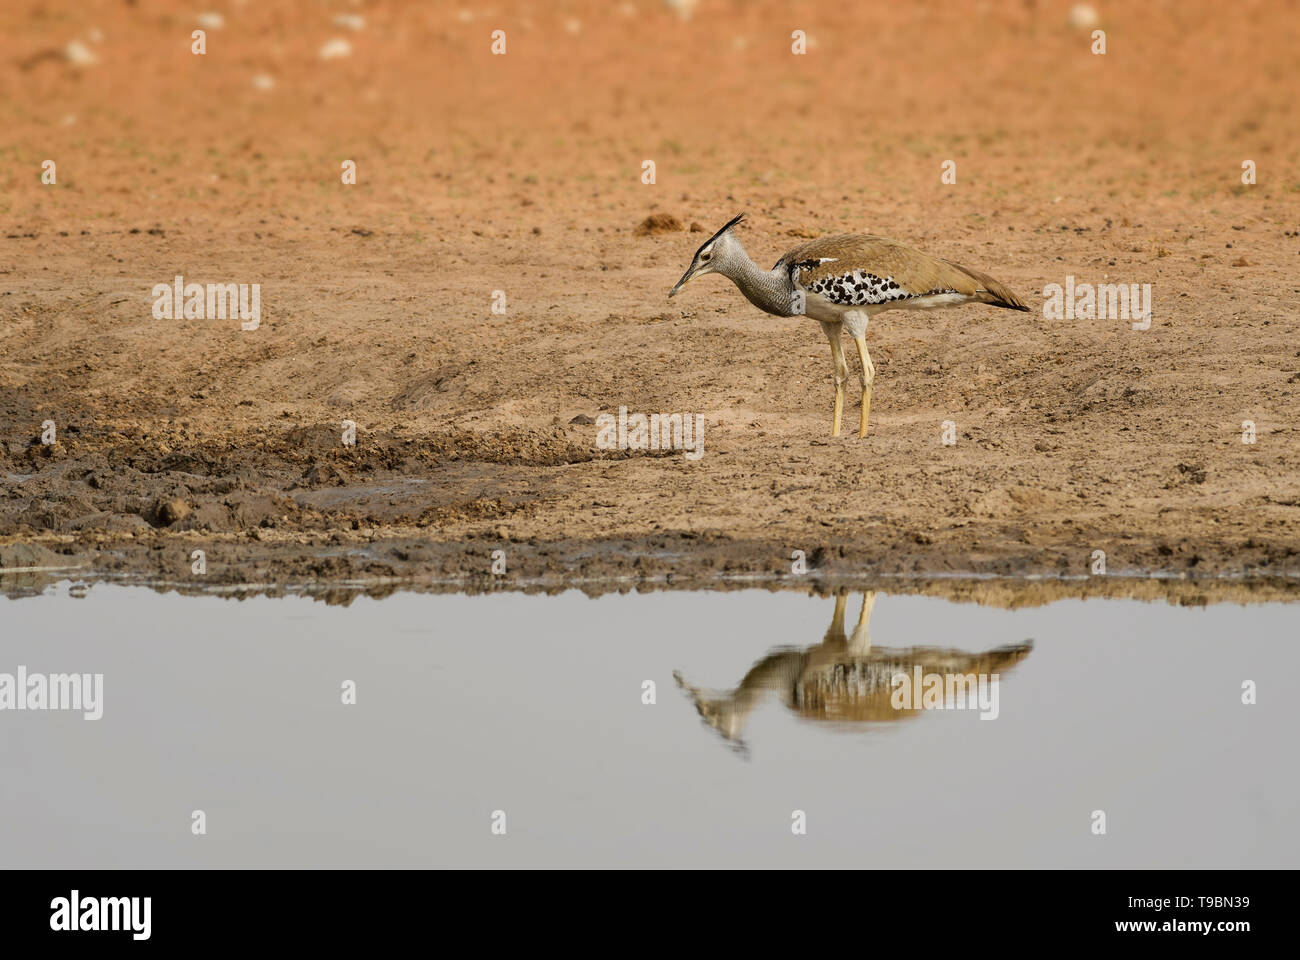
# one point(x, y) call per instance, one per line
point(522, 173)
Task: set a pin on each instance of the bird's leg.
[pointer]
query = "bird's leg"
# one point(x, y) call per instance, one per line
point(856, 321)
point(832, 331)
point(836, 630)
point(868, 378)
point(860, 642)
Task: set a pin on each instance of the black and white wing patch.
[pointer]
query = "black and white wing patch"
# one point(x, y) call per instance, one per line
point(852, 288)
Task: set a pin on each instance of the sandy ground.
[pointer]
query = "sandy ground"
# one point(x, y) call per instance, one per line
point(522, 173)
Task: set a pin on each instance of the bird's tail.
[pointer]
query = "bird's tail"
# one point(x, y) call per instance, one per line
point(993, 292)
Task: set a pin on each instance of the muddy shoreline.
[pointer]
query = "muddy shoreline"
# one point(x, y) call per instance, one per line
point(294, 507)
point(338, 568)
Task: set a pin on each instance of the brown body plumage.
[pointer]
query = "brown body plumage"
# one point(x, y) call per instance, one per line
point(917, 274)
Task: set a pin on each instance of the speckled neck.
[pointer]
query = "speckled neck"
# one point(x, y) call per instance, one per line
point(769, 290)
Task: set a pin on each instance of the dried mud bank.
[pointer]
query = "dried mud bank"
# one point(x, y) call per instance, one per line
point(291, 509)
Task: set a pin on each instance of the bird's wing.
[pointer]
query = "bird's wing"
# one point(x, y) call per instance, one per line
point(855, 269)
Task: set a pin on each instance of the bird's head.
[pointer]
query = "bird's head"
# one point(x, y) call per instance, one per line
point(715, 255)
point(719, 711)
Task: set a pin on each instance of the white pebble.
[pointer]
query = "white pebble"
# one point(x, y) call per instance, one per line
point(683, 8)
point(80, 54)
point(1084, 16)
point(338, 47)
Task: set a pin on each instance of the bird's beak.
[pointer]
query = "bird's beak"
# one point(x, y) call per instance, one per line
point(687, 277)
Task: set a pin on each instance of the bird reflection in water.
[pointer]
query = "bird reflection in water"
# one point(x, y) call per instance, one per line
point(842, 679)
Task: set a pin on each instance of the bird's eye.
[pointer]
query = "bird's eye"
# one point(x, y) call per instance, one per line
point(705, 256)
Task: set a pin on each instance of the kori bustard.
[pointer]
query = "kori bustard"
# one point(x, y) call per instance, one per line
point(841, 282)
point(843, 679)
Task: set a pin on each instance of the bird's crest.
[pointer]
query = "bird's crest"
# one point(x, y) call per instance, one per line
point(730, 223)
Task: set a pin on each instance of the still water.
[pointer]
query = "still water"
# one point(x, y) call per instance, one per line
point(528, 712)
